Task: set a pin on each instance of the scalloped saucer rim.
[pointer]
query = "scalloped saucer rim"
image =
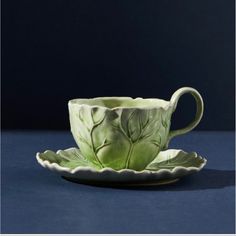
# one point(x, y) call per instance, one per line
point(123, 176)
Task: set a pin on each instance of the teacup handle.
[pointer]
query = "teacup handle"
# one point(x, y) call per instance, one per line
point(198, 116)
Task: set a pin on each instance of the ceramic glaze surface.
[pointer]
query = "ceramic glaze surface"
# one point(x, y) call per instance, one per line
point(168, 165)
point(126, 133)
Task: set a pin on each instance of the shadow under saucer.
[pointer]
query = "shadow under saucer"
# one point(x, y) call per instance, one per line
point(124, 184)
point(205, 179)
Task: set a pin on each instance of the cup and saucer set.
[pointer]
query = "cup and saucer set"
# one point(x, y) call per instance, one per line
point(124, 141)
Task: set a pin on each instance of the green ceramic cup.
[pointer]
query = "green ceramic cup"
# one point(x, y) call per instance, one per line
point(126, 133)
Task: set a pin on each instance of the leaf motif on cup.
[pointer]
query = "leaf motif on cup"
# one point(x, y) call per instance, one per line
point(104, 144)
point(96, 118)
point(140, 126)
point(137, 126)
point(157, 142)
point(164, 121)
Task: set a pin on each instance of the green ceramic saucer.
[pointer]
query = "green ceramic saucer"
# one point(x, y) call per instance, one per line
point(167, 167)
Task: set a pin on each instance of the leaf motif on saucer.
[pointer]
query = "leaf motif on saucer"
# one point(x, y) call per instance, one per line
point(169, 165)
point(70, 158)
point(171, 158)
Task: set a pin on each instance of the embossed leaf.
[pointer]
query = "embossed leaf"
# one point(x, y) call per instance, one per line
point(70, 158)
point(128, 123)
point(150, 132)
point(134, 123)
point(165, 121)
point(97, 115)
point(104, 144)
point(172, 158)
point(50, 156)
point(84, 117)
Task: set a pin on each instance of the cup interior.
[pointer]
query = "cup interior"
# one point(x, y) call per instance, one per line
point(121, 102)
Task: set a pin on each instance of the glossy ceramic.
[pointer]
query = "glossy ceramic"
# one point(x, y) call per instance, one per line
point(126, 133)
point(167, 167)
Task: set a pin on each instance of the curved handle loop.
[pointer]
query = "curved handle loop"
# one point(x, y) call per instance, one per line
point(198, 116)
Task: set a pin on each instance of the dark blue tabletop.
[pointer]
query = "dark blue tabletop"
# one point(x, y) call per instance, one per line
point(34, 200)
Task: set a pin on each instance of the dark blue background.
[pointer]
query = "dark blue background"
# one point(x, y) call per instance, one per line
point(56, 50)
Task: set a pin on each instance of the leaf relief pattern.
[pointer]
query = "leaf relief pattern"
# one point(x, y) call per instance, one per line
point(96, 119)
point(135, 125)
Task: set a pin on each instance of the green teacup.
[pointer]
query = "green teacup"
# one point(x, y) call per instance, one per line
point(126, 133)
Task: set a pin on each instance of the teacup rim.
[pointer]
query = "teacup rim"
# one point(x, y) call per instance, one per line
point(167, 103)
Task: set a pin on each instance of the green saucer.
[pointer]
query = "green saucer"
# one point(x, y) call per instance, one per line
point(167, 167)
